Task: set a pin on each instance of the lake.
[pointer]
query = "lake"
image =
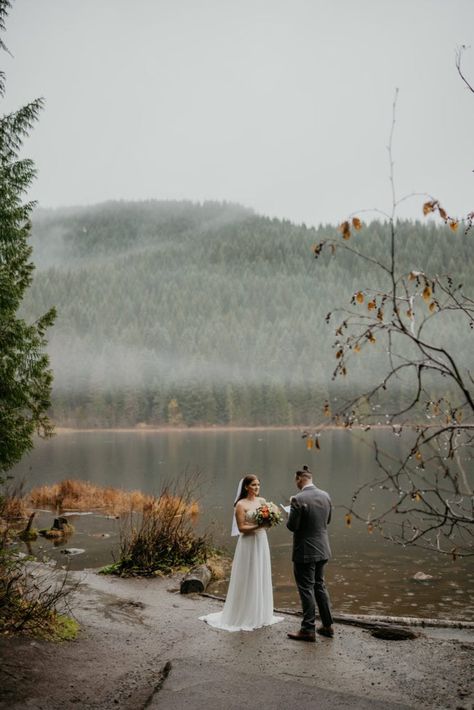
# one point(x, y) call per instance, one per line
point(366, 575)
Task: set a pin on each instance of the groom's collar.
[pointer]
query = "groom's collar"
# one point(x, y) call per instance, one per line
point(308, 485)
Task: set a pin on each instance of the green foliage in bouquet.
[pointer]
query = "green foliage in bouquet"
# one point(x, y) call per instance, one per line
point(268, 514)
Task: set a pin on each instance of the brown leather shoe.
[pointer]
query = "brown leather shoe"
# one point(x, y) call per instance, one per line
point(326, 631)
point(303, 636)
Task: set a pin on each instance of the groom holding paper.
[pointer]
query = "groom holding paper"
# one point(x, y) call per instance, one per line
point(309, 515)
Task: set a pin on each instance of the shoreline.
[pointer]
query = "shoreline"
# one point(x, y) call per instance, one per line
point(150, 429)
point(142, 645)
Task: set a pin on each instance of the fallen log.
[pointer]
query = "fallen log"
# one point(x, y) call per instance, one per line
point(196, 580)
point(369, 621)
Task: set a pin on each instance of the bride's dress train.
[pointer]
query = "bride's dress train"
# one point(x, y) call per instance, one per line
point(249, 602)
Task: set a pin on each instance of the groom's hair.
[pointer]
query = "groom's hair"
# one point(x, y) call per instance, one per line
point(304, 473)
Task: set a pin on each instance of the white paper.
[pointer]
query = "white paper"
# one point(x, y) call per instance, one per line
point(286, 508)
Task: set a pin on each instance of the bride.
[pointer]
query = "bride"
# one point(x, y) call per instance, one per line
point(249, 602)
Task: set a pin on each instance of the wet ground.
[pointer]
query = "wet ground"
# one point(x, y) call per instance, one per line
point(142, 645)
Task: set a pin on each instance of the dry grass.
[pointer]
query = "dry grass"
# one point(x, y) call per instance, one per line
point(163, 538)
point(82, 495)
point(29, 599)
point(14, 508)
point(219, 566)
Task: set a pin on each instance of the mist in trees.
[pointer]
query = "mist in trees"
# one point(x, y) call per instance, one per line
point(180, 313)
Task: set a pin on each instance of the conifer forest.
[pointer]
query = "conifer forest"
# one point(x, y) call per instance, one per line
point(207, 314)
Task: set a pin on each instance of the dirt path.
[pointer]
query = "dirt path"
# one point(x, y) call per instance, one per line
point(143, 646)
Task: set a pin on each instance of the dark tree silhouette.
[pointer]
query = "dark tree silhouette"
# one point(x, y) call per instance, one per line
point(25, 377)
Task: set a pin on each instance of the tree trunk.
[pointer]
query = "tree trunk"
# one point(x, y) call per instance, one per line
point(59, 523)
point(29, 523)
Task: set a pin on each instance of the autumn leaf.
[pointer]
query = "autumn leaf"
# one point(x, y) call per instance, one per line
point(357, 348)
point(345, 229)
point(348, 519)
point(410, 313)
point(344, 371)
point(356, 223)
point(428, 207)
point(327, 410)
point(442, 213)
point(432, 307)
point(317, 445)
point(359, 297)
point(380, 314)
point(372, 305)
point(418, 456)
point(339, 354)
point(453, 225)
point(427, 293)
point(309, 443)
point(370, 528)
point(416, 496)
point(371, 338)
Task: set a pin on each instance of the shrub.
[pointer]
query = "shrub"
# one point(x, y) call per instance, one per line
point(162, 538)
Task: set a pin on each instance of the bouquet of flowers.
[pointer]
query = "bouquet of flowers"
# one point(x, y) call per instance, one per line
point(268, 514)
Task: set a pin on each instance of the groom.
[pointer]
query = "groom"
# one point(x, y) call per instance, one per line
point(310, 513)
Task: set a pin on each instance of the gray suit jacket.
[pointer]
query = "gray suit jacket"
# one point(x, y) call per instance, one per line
point(310, 513)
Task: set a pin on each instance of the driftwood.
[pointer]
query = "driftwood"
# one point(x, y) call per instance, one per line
point(196, 580)
point(29, 534)
point(368, 621)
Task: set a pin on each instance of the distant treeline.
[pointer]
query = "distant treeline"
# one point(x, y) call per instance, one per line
point(174, 312)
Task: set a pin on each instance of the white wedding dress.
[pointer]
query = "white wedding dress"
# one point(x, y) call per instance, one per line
point(249, 602)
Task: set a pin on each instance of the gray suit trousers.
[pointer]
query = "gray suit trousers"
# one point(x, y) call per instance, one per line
point(309, 577)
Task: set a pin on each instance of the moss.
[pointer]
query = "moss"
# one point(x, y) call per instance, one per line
point(59, 628)
point(54, 533)
point(114, 568)
point(28, 535)
point(65, 628)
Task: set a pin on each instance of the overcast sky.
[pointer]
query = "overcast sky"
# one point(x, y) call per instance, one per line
point(282, 105)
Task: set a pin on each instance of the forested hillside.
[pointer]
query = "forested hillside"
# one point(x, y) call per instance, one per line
point(174, 312)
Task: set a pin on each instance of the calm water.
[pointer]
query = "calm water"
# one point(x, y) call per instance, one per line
point(366, 574)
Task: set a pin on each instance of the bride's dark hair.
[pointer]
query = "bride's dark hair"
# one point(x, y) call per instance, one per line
point(246, 482)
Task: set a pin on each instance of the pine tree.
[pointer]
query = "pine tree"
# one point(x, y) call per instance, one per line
point(25, 376)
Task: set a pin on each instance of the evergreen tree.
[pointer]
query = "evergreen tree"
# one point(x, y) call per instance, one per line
point(25, 376)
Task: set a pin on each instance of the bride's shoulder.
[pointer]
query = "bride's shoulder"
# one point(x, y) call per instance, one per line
point(239, 505)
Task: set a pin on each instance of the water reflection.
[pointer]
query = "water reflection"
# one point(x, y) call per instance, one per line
point(366, 575)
